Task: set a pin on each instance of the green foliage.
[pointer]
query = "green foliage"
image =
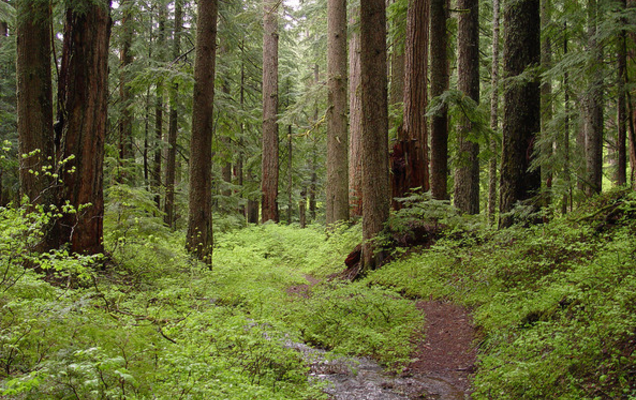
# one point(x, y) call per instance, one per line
point(555, 303)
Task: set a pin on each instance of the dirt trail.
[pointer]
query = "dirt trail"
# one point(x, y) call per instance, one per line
point(440, 370)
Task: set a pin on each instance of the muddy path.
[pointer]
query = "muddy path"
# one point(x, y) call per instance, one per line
point(440, 370)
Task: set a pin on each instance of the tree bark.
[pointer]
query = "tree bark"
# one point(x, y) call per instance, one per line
point(199, 237)
point(621, 109)
point(355, 123)
point(522, 48)
point(413, 139)
point(594, 114)
point(467, 172)
point(337, 139)
point(156, 174)
point(290, 175)
point(36, 148)
point(439, 83)
point(83, 95)
point(375, 163)
point(269, 180)
point(173, 124)
point(494, 114)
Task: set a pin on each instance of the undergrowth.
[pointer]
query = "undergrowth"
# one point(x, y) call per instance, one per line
point(147, 321)
point(555, 303)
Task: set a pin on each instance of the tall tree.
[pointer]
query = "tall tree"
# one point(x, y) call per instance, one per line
point(467, 172)
point(375, 163)
point(34, 95)
point(439, 83)
point(337, 138)
point(269, 179)
point(173, 125)
point(156, 170)
point(594, 111)
point(621, 109)
point(521, 120)
point(414, 135)
point(199, 236)
point(125, 60)
point(83, 96)
point(494, 113)
point(355, 122)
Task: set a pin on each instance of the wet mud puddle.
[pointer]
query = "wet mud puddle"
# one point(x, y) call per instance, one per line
point(351, 378)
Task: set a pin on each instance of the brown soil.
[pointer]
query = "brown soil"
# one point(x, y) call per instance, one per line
point(447, 350)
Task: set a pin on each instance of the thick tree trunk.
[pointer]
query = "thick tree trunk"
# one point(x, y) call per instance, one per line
point(521, 121)
point(439, 83)
point(413, 139)
point(34, 100)
point(355, 123)
point(83, 95)
point(199, 237)
point(494, 114)
point(173, 125)
point(594, 114)
point(375, 177)
point(467, 172)
point(269, 179)
point(337, 139)
point(126, 120)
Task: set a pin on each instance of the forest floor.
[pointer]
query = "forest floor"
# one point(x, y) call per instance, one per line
point(440, 368)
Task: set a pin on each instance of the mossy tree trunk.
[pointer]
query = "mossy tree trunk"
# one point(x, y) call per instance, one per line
point(521, 120)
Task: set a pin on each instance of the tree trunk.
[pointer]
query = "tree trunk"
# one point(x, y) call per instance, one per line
point(467, 172)
point(35, 100)
point(156, 174)
point(126, 120)
point(621, 109)
point(494, 113)
point(546, 98)
point(312, 185)
point(439, 83)
point(521, 121)
point(269, 179)
point(290, 175)
point(594, 114)
point(199, 237)
point(83, 95)
point(173, 125)
point(567, 196)
point(302, 208)
point(337, 139)
point(413, 139)
point(375, 177)
point(355, 123)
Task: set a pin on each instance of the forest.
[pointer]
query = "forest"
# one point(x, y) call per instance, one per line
point(317, 199)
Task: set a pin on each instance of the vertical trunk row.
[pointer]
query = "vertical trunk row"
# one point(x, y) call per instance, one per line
point(375, 176)
point(439, 83)
point(494, 113)
point(199, 236)
point(355, 123)
point(83, 95)
point(173, 124)
point(467, 172)
point(269, 179)
point(521, 106)
point(337, 139)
